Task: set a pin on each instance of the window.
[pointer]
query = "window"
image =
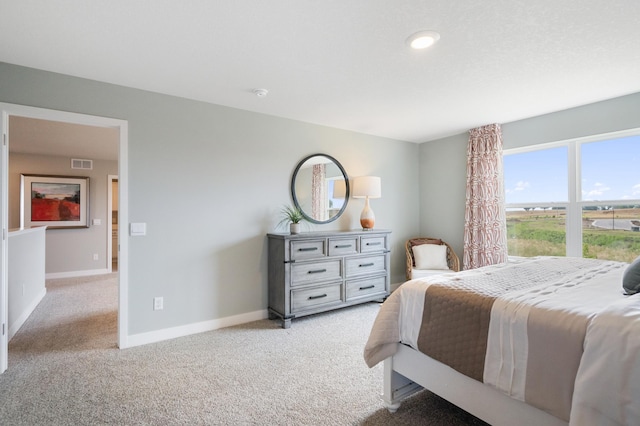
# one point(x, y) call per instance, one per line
point(575, 198)
point(537, 176)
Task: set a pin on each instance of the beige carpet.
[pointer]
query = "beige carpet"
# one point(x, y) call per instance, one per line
point(65, 369)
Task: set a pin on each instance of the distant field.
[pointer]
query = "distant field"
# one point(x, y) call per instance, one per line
point(589, 214)
point(542, 233)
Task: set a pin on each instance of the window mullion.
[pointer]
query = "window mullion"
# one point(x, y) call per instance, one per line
point(574, 210)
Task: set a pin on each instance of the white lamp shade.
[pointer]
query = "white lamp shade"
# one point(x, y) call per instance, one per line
point(367, 186)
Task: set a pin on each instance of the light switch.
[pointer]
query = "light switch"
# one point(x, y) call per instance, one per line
point(138, 229)
point(96, 222)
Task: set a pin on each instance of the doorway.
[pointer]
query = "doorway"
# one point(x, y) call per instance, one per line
point(11, 110)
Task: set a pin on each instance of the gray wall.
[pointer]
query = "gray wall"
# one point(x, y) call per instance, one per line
point(443, 161)
point(209, 181)
point(443, 174)
point(68, 250)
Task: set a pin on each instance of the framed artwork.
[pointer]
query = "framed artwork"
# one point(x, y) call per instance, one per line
point(54, 201)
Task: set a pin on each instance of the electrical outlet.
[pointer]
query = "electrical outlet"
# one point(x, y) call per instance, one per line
point(95, 256)
point(158, 303)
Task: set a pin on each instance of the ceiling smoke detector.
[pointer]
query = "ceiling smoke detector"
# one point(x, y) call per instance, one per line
point(261, 93)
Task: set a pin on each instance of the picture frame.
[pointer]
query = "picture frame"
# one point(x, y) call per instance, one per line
point(57, 202)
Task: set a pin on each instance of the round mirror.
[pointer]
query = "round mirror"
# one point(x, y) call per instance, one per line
point(320, 188)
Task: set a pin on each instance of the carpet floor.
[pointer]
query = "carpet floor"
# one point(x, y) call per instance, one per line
point(65, 369)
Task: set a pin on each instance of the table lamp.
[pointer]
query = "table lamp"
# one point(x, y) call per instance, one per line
point(367, 187)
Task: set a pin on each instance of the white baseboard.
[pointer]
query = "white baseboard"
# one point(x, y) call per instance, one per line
point(13, 328)
point(73, 274)
point(186, 330)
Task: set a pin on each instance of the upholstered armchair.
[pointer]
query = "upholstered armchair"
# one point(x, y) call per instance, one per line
point(429, 256)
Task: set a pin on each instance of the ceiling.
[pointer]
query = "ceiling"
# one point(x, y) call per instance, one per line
point(45, 137)
point(343, 63)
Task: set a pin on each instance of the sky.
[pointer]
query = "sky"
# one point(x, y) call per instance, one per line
point(610, 170)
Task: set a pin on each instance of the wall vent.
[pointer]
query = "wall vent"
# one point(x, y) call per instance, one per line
point(81, 164)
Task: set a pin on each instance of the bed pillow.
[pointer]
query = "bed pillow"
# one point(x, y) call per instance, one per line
point(430, 256)
point(631, 277)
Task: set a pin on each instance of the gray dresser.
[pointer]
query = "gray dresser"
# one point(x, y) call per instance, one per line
point(319, 271)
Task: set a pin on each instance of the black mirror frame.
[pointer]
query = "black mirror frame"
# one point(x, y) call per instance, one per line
point(296, 203)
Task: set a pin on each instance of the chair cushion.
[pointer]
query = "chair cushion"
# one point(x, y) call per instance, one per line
point(430, 256)
point(418, 241)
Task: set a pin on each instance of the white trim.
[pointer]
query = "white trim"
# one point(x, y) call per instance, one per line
point(189, 329)
point(4, 240)
point(565, 142)
point(74, 274)
point(573, 225)
point(123, 242)
point(533, 148)
point(123, 211)
point(25, 314)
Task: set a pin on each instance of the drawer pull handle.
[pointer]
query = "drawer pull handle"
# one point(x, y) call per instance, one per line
point(363, 265)
point(308, 249)
point(374, 244)
point(367, 287)
point(343, 246)
point(317, 271)
point(317, 297)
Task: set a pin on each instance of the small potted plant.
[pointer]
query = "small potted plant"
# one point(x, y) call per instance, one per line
point(292, 216)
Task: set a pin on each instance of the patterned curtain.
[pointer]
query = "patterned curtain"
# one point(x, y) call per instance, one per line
point(485, 231)
point(319, 192)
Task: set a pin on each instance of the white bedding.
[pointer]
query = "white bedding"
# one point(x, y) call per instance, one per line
point(591, 301)
point(574, 299)
point(401, 315)
point(607, 388)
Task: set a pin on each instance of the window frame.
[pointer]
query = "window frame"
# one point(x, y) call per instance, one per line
point(575, 204)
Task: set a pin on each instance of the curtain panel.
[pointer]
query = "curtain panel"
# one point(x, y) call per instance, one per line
point(485, 233)
point(319, 196)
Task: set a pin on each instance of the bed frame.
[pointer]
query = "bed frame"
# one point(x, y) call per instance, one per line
point(409, 371)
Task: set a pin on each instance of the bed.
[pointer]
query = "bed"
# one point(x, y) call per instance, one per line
point(534, 341)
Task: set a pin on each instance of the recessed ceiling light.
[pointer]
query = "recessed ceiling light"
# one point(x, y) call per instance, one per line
point(423, 39)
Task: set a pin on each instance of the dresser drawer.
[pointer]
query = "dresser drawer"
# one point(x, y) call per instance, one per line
point(371, 244)
point(307, 298)
point(310, 272)
point(310, 249)
point(343, 246)
point(315, 272)
point(367, 287)
point(365, 265)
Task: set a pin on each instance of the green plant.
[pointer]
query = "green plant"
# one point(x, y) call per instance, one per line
point(291, 214)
